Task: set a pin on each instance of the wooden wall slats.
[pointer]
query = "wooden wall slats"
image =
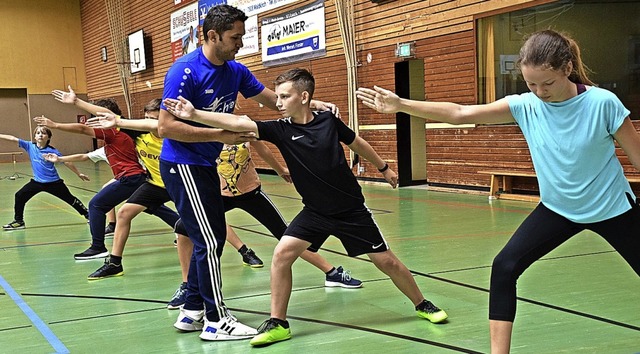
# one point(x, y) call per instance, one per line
point(445, 41)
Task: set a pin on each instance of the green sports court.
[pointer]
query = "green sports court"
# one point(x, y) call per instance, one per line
point(581, 298)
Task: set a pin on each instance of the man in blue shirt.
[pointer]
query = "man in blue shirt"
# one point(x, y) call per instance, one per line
point(311, 144)
point(211, 79)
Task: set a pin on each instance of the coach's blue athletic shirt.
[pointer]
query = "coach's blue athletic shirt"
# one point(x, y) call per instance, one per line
point(211, 88)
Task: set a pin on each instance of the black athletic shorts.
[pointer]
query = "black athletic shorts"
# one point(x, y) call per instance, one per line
point(357, 231)
point(150, 196)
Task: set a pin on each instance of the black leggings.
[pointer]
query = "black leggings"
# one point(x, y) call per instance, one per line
point(58, 189)
point(258, 205)
point(541, 232)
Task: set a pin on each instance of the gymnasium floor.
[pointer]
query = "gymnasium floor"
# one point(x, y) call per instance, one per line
point(581, 298)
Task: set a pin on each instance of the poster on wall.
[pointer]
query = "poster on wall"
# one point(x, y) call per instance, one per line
point(204, 6)
point(184, 31)
point(250, 38)
point(295, 35)
point(254, 7)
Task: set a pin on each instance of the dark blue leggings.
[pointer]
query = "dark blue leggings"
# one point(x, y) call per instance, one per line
point(106, 199)
point(541, 232)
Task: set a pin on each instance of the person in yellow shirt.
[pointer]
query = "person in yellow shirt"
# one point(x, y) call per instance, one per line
point(149, 197)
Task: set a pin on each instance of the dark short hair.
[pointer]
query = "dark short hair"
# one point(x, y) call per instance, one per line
point(221, 18)
point(153, 105)
point(301, 79)
point(110, 104)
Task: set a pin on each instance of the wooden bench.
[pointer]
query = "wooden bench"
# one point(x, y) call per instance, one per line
point(505, 177)
point(633, 179)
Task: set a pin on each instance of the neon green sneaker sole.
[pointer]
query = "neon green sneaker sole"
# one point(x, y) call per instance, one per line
point(433, 317)
point(274, 335)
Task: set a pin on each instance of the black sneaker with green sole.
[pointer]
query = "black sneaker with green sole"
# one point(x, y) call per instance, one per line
point(107, 270)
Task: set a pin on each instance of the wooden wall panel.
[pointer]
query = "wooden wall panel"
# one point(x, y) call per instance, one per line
point(445, 41)
point(103, 78)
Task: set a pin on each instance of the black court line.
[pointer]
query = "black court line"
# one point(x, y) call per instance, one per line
point(370, 330)
point(299, 318)
point(540, 260)
point(445, 280)
point(150, 233)
point(535, 302)
point(15, 328)
point(523, 299)
point(466, 285)
point(381, 211)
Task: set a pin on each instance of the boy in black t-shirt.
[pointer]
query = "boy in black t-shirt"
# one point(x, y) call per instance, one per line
point(333, 201)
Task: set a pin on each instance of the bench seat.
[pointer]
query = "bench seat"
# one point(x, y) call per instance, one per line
point(503, 178)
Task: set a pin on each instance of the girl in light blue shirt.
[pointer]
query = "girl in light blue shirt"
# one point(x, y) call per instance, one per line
point(571, 127)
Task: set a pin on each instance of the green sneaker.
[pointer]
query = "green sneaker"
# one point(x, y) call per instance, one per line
point(427, 310)
point(270, 332)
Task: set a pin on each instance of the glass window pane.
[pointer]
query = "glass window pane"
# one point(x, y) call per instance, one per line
point(608, 33)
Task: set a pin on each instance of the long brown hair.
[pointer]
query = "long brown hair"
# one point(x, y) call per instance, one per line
point(554, 50)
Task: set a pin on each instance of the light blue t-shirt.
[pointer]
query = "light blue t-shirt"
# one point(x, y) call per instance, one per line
point(573, 152)
point(43, 171)
point(211, 88)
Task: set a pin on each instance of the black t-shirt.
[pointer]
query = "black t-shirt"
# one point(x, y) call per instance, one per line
point(316, 161)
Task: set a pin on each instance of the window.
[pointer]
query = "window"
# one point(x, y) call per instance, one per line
point(608, 33)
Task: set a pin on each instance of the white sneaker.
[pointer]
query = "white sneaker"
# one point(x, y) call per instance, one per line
point(189, 320)
point(228, 328)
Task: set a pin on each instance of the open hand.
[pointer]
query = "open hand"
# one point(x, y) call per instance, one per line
point(44, 121)
point(181, 107)
point(325, 106)
point(65, 97)
point(50, 157)
point(84, 177)
point(103, 120)
point(383, 101)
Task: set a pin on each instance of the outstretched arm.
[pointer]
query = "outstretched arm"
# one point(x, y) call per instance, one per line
point(385, 101)
point(183, 109)
point(266, 154)
point(68, 158)
point(172, 128)
point(71, 98)
point(364, 149)
point(67, 127)
point(105, 120)
point(269, 98)
point(73, 168)
point(8, 137)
